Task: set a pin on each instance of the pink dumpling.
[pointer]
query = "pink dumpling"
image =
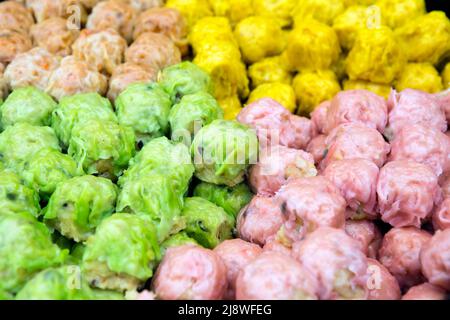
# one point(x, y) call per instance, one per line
point(357, 106)
point(407, 192)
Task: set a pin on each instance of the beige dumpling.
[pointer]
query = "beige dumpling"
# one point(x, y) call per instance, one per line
point(14, 15)
point(12, 42)
point(74, 76)
point(3, 84)
point(55, 36)
point(141, 5)
point(167, 21)
point(45, 9)
point(89, 4)
point(126, 74)
point(153, 50)
point(103, 50)
point(31, 68)
point(114, 14)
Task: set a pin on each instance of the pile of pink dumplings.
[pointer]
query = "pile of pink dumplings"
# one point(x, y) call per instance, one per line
point(353, 203)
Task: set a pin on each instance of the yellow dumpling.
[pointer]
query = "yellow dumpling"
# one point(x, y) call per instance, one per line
point(322, 10)
point(354, 18)
point(231, 107)
point(259, 37)
point(280, 9)
point(382, 90)
point(312, 88)
point(268, 70)
point(281, 92)
point(312, 45)
point(192, 10)
point(425, 38)
point(211, 30)
point(234, 10)
point(228, 74)
point(420, 76)
point(375, 56)
point(218, 54)
point(446, 76)
point(228, 48)
point(349, 3)
point(397, 12)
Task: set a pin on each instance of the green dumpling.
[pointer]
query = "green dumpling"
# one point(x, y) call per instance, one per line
point(79, 204)
point(176, 240)
point(47, 168)
point(207, 223)
point(162, 156)
point(63, 283)
point(145, 108)
point(15, 197)
point(26, 248)
point(184, 78)
point(102, 147)
point(192, 113)
point(3, 294)
point(80, 108)
point(29, 105)
point(20, 142)
point(231, 199)
point(122, 254)
point(154, 196)
point(222, 152)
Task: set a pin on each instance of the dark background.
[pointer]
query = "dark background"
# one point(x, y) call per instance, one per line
point(443, 5)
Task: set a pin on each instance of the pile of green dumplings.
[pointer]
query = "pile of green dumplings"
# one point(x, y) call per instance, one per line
point(93, 192)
